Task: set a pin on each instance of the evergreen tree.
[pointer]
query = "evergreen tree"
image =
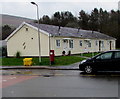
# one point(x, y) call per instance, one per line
point(6, 31)
point(62, 18)
point(93, 23)
point(83, 20)
point(45, 20)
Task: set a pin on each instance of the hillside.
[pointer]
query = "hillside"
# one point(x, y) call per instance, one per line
point(13, 21)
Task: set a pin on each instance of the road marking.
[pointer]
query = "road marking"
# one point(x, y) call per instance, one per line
point(14, 80)
point(81, 75)
point(4, 80)
point(59, 74)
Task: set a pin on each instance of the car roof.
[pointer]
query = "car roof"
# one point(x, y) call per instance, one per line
point(113, 50)
point(117, 50)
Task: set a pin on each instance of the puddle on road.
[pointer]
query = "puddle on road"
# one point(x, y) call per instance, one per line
point(102, 74)
point(27, 72)
point(16, 72)
point(51, 73)
point(44, 73)
point(47, 75)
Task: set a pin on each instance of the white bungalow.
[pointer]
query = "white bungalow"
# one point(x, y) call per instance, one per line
point(70, 40)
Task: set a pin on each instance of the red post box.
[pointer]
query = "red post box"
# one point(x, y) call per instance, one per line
point(52, 56)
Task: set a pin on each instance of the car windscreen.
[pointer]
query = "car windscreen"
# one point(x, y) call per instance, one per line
point(117, 55)
point(107, 55)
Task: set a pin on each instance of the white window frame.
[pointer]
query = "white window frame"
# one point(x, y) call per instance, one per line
point(96, 43)
point(58, 43)
point(89, 44)
point(71, 44)
point(80, 43)
point(108, 42)
point(102, 44)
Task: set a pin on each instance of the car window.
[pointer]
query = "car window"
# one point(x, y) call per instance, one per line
point(105, 56)
point(117, 54)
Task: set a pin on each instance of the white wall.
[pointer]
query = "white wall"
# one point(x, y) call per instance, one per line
point(26, 42)
point(81, 49)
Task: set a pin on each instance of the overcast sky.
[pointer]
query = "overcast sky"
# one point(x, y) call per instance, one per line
point(24, 8)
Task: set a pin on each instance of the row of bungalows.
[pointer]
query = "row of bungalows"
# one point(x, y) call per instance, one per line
point(63, 40)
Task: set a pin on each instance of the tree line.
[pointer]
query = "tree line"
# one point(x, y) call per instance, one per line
point(97, 20)
point(6, 31)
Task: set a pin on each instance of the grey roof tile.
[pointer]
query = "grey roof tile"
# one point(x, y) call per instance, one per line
point(72, 32)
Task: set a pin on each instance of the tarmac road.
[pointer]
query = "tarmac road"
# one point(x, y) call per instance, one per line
point(59, 83)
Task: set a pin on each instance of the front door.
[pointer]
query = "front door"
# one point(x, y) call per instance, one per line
point(99, 45)
point(110, 45)
point(65, 46)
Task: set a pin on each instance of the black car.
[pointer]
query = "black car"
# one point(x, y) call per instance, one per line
point(106, 61)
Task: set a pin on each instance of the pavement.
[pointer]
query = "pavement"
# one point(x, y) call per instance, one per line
point(74, 66)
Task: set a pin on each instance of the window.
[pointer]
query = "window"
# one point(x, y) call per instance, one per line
point(26, 29)
point(80, 43)
point(96, 43)
point(108, 42)
point(105, 56)
point(71, 43)
point(89, 44)
point(24, 47)
point(117, 54)
point(102, 44)
point(58, 43)
point(23, 43)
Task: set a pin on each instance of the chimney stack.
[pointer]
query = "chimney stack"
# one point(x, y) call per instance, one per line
point(59, 30)
point(78, 30)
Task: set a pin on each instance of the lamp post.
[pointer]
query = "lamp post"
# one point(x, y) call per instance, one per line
point(38, 31)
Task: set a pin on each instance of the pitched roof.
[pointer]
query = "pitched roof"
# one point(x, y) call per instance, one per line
point(71, 32)
point(64, 32)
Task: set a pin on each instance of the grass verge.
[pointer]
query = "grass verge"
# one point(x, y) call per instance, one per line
point(89, 54)
point(63, 60)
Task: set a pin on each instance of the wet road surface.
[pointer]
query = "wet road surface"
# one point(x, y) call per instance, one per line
point(59, 83)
